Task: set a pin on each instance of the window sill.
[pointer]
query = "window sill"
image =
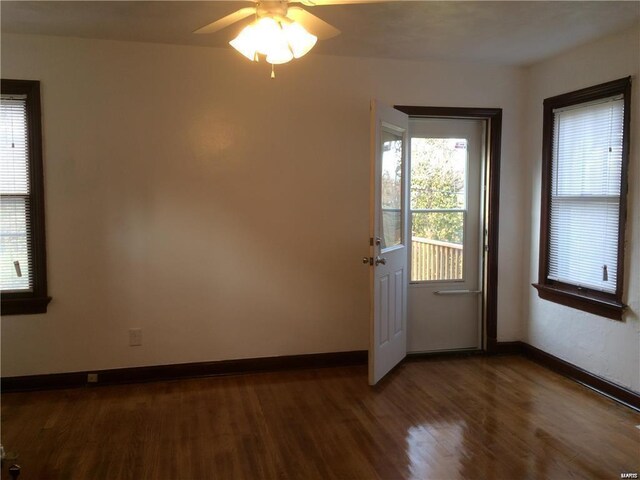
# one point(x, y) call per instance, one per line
point(582, 301)
point(24, 306)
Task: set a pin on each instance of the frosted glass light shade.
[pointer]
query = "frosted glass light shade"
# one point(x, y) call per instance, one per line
point(279, 42)
point(246, 43)
point(299, 39)
point(268, 35)
point(278, 56)
point(272, 42)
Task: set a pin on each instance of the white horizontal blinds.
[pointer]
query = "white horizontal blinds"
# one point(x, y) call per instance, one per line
point(15, 231)
point(585, 194)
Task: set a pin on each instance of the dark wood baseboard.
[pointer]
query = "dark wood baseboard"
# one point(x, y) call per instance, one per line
point(315, 360)
point(183, 370)
point(507, 348)
point(595, 382)
point(602, 385)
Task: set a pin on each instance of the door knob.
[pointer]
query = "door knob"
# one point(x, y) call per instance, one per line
point(381, 260)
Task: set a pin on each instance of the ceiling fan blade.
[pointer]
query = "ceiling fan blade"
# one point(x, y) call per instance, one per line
point(228, 20)
point(314, 3)
point(313, 24)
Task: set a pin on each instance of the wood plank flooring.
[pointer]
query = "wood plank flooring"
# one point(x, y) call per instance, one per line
point(476, 418)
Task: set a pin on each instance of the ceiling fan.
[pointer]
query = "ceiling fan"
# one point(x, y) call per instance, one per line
point(280, 31)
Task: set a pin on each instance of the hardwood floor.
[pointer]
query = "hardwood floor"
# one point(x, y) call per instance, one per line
point(476, 417)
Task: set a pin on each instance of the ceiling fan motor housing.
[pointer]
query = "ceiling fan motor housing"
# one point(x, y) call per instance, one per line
point(276, 9)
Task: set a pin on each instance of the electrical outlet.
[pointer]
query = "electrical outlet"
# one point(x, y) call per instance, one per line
point(92, 378)
point(135, 337)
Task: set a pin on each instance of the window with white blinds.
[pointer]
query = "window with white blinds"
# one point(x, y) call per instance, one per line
point(585, 194)
point(15, 232)
point(585, 158)
point(23, 263)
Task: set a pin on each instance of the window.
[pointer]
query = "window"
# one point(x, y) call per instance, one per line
point(391, 188)
point(584, 183)
point(438, 208)
point(23, 281)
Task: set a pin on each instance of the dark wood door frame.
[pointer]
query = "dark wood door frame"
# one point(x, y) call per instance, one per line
point(493, 118)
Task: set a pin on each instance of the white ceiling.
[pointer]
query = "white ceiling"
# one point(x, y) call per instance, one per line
point(510, 33)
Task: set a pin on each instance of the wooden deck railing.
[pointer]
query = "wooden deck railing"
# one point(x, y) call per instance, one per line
point(434, 260)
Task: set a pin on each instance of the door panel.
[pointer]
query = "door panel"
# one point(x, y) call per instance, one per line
point(399, 316)
point(383, 314)
point(444, 297)
point(389, 233)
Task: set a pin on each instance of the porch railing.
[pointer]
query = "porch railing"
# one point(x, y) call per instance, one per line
point(435, 260)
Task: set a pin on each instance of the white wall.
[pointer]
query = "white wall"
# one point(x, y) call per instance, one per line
point(605, 347)
point(222, 212)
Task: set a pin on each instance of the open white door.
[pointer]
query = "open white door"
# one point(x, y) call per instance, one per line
point(389, 237)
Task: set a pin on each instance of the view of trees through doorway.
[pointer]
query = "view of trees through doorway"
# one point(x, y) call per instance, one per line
point(438, 204)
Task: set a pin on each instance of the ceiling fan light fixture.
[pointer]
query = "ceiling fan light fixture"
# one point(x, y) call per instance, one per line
point(279, 41)
point(272, 42)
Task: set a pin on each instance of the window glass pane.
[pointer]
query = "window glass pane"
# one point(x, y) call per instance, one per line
point(391, 189)
point(588, 150)
point(15, 271)
point(436, 246)
point(14, 245)
point(583, 243)
point(14, 157)
point(438, 173)
point(585, 189)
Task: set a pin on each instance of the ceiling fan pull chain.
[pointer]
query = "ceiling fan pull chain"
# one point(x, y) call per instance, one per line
point(273, 71)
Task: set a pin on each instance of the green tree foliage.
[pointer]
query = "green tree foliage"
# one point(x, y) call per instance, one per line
point(437, 182)
point(391, 172)
point(391, 190)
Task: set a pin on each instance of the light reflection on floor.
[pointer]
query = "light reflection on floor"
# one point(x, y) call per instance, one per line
point(434, 452)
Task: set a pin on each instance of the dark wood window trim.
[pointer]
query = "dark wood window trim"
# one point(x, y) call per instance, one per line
point(493, 117)
point(585, 299)
point(21, 303)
